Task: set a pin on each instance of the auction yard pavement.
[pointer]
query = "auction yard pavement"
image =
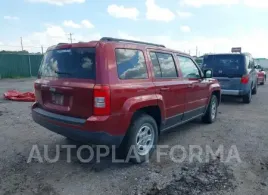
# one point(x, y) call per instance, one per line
point(243, 126)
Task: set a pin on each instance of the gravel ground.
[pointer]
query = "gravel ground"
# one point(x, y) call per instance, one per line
point(240, 125)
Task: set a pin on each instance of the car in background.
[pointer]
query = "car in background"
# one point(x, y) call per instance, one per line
point(261, 75)
point(122, 93)
point(235, 72)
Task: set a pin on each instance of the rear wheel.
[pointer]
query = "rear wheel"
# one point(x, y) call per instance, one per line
point(212, 110)
point(247, 98)
point(264, 79)
point(140, 140)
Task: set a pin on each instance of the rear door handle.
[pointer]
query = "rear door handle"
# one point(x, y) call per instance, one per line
point(164, 89)
point(190, 85)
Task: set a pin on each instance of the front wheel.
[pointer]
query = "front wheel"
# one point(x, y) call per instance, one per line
point(141, 139)
point(212, 110)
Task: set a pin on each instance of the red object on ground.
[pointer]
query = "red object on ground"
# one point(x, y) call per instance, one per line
point(19, 96)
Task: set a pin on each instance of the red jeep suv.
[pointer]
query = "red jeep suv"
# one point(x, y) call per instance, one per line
point(121, 92)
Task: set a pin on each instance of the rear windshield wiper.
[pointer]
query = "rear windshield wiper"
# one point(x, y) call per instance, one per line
point(58, 72)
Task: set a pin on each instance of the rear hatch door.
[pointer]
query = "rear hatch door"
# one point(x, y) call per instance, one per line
point(67, 79)
point(229, 83)
point(228, 69)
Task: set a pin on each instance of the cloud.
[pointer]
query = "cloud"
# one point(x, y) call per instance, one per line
point(56, 34)
point(255, 42)
point(57, 2)
point(71, 24)
point(249, 3)
point(256, 3)
point(185, 29)
point(53, 34)
point(87, 24)
point(184, 14)
point(11, 18)
point(155, 12)
point(123, 35)
point(123, 12)
point(200, 3)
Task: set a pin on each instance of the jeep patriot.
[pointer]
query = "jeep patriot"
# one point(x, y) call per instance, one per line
point(121, 92)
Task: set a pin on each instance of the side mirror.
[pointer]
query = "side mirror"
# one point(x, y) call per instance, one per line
point(208, 73)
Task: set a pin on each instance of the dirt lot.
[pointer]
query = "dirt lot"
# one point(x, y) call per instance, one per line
point(244, 126)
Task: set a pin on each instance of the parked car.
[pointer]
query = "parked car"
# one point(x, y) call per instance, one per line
point(121, 92)
point(261, 75)
point(235, 72)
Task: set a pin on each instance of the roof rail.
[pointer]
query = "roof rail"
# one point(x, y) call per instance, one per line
point(129, 41)
point(62, 43)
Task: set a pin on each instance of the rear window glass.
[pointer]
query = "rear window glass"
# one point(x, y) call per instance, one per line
point(69, 63)
point(225, 65)
point(130, 64)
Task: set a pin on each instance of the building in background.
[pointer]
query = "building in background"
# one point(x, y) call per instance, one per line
point(262, 61)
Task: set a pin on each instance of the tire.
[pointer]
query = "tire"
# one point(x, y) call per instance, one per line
point(255, 89)
point(262, 83)
point(247, 98)
point(212, 110)
point(264, 80)
point(141, 124)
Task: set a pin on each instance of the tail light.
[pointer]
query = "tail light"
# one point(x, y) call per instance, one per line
point(245, 79)
point(102, 100)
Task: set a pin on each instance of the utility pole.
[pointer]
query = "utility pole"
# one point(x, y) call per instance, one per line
point(196, 51)
point(71, 38)
point(21, 43)
point(189, 52)
point(42, 49)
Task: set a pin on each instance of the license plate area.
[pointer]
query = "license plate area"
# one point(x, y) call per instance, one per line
point(224, 83)
point(57, 99)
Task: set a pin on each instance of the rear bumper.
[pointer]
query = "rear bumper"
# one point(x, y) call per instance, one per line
point(261, 80)
point(74, 128)
point(233, 92)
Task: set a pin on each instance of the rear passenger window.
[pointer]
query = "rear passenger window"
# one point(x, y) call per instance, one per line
point(164, 65)
point(130, 64)
point(188, 68)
